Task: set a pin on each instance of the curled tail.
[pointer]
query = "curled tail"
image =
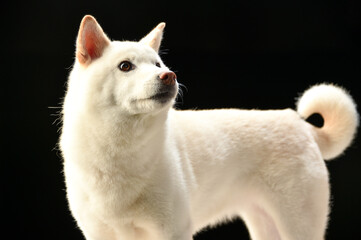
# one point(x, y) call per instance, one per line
point(339, 113)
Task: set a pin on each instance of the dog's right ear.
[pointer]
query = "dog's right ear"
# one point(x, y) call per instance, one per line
point(154, 38)
point(91, 41)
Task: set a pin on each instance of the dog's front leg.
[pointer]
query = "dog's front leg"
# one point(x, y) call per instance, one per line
point(180, 225)
point(183, 233)
point(171, 230)
point(169, 214)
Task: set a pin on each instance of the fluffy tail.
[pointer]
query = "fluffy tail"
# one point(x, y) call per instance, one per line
point(339, 113)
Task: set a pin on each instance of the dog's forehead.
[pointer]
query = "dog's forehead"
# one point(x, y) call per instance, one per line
point(133, 50)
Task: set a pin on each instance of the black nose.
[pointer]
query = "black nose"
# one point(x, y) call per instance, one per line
point(168, 78)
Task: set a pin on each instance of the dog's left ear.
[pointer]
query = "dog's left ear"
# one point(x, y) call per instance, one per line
point(154, 38)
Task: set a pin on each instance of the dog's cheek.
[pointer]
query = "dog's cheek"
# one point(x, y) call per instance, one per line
point(127, 100)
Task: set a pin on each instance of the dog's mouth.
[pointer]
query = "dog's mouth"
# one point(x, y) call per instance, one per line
point(164, 95)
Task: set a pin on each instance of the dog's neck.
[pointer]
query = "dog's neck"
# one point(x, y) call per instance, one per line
point(118, 137)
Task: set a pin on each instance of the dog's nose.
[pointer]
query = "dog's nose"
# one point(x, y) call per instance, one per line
point(168, 78)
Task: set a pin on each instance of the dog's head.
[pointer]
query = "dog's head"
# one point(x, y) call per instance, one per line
point(127, 76)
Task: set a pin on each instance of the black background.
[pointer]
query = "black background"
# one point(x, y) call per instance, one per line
point(244, 54)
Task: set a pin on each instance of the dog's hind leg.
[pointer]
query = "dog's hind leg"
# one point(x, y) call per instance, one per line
point(260, 225)
point(296, 213)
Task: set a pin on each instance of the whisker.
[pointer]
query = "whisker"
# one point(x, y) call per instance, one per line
point(163, 52)
point(58, 116)
point(179, 98)
point(183, 86)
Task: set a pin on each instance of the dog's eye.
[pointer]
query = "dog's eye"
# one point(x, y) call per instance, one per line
point(157, 64)
point(125, 66)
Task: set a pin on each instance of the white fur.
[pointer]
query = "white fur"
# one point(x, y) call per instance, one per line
point(338, 110)
point(138, 169)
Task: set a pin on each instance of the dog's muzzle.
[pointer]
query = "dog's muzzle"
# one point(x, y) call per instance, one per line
point(167, 89)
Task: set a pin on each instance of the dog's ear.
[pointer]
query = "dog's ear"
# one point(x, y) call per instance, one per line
point(91, 41)
point(154, 38)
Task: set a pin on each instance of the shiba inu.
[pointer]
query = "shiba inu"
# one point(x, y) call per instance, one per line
point(136, 168)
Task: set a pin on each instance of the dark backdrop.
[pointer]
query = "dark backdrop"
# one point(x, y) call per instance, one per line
point(245, 54)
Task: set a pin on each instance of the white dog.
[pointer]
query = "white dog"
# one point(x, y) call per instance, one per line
point(135, 168)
